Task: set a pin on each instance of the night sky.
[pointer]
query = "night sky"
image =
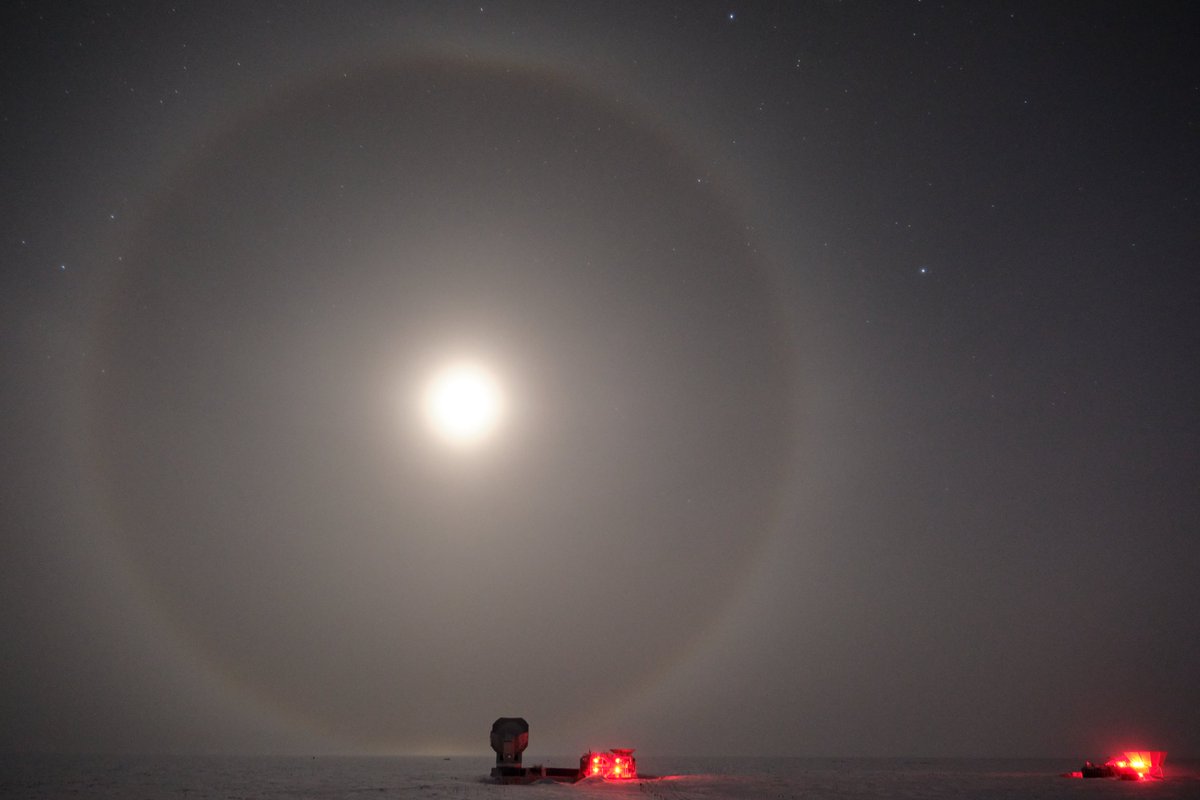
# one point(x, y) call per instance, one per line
point(845, 359)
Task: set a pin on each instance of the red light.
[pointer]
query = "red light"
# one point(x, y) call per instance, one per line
point(1139, 765)
point(618, 764)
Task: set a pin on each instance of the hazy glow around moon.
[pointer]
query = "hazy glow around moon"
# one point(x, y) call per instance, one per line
point(463, 403)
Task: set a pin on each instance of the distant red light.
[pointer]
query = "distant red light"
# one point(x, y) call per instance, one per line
point(1137, 765)
point(616, 765)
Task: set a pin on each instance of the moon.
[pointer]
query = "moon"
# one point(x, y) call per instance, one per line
point(463, 404)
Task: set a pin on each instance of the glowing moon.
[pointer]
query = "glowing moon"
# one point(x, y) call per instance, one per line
point(463, 404)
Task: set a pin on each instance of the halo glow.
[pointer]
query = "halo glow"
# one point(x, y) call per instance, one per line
point(463, 404)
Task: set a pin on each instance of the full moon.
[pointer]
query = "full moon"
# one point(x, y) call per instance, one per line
point(463, 404)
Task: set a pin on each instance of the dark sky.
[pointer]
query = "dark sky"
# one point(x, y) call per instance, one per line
point(848, 354)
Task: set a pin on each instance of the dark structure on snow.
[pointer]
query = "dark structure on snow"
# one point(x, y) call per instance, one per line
point(510, 737)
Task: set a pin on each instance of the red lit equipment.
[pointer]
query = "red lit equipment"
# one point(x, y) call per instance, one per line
point(616, 764)
point(510, 737)
point(1132, 765)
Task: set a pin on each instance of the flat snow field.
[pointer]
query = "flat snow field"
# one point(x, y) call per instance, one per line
point(256, 778)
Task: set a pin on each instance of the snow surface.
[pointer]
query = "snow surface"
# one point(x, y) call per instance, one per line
point(232, 778)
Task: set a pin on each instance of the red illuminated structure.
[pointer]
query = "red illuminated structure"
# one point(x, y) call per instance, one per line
point(1132, 765)
point(510, 737)
point(616, 765)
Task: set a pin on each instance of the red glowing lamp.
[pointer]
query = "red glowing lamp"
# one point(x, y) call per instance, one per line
point(617, 764)
point(1138, 765)
point(1132, 765)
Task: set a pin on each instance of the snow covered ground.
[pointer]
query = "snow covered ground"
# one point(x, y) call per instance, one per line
point(229, 778)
